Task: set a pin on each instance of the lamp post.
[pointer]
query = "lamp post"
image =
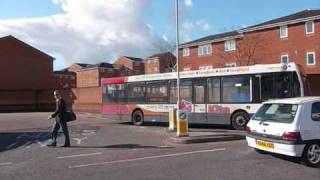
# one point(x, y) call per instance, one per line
point(177, 50)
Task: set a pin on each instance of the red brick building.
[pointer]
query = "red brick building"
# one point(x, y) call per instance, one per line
point(135, 66)
point(25, 72)
point(293, 38)
point(65, 79)
point(77, 67)
point(159, 63)
point(91, 75)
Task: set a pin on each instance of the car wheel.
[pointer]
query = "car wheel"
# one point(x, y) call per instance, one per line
point(311, 154)
point(239, 120)
point(137, 118)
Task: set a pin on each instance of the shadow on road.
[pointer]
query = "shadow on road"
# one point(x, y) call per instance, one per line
point(123, 146)
point(13, 140)
point(165, 124)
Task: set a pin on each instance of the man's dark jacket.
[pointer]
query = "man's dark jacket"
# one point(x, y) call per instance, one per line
point(60, 112)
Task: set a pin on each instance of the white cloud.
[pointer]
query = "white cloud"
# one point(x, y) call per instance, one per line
point(87, 31)
point(164, 37)
point(188, 3)
point(188, 27)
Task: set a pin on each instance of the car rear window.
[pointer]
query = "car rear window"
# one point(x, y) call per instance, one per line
point(283, 113)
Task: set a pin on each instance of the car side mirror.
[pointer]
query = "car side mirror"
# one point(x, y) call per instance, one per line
point(315, 116)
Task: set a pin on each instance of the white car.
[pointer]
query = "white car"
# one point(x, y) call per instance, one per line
point(288, 126)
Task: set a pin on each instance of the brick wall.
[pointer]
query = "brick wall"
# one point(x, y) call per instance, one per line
point(272, 47)
point(24, 67)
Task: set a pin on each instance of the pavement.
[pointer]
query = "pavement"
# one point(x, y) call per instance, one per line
point(198, 133)
point(204, 135)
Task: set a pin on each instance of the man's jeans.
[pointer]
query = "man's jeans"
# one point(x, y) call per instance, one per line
point(55, 129)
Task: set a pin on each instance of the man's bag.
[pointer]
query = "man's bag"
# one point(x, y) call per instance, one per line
point(70, 116)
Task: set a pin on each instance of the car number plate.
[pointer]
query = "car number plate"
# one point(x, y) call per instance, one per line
point(265, 144)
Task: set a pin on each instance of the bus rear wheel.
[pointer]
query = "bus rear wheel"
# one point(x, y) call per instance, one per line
point(137, 118)
point(239, 120)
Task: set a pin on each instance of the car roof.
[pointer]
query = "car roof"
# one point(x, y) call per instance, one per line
point(296, 100)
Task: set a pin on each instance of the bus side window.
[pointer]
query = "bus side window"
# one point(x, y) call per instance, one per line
point(282, 85)
point(266, 87)
point(256, 89)
point(136, 92)
point(295, 86)
point(173, 97)
point(157, 92)
point(213, 90)
point(186, 90)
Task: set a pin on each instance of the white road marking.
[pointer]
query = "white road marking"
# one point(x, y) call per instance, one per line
point(5, 164)
point(11, 145)
point(79, 140)
point(79, 155)
point(144, 158)
point(43, 144)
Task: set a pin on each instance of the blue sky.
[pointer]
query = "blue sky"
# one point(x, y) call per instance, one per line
point(98, 30)
point(222, 15)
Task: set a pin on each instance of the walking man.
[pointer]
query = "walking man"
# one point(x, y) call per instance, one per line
point(59, 115)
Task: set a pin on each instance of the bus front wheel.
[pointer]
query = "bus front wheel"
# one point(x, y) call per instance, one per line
point(239, 120)
point(137, 118)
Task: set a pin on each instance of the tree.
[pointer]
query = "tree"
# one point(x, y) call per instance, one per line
point(160, 46)
point(250, 49)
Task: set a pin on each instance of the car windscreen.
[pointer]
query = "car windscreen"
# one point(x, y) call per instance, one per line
point(283, 113)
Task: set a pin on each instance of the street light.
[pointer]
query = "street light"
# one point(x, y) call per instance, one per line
point(177, 50)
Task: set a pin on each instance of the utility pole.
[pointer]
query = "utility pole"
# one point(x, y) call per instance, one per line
point(177, 51)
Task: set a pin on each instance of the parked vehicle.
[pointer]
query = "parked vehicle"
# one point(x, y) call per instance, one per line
point(217, 96)
point(288, 126)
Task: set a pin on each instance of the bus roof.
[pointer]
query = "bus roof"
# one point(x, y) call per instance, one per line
point(254, 69)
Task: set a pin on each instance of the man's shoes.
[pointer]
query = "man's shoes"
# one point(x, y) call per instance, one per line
point(52, 144)
point(66, 145)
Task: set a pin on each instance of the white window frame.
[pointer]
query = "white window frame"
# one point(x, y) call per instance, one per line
point(204, 50)
point(186, 69)
point(205, 68)
point(233, 64)
point(230, 45)
point(282, 56)
point(312, 25)
point(314, 57)
point(285, 28)
point(185, 52)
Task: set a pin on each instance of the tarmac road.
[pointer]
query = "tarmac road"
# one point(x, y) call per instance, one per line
point(104, 149)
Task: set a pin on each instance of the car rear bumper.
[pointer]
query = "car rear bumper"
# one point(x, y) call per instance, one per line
point(279, 148)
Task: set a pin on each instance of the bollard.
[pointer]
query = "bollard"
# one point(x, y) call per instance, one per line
point(182, 123)
point(172, 119)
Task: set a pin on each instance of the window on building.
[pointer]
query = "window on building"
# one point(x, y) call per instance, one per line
point(309, 27)
point(284, 59)
point(230, 45)
point(204, 50)
point(311, 58)
point(185, 52)
point(283, 31)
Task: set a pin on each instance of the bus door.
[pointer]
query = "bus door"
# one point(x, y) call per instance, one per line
point(199, 114)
